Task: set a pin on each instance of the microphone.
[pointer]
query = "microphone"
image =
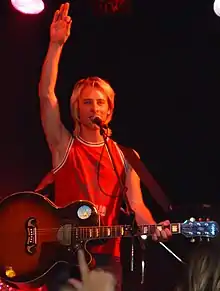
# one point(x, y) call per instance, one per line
point(97, 120)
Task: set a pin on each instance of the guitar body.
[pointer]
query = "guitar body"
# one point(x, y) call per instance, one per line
point(35, 235)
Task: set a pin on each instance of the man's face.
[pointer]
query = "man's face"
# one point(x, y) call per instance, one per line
point(92, 103)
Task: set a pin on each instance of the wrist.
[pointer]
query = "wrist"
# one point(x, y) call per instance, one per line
point(55, 45)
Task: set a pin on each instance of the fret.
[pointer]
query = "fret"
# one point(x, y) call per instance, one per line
point(122, 231)
point(159, 227)
point(152, 229)
point(97, 231)
point(76, 232)
point(82, 235)
point(94, 232)
point(114, 233)
point(102, 232)
point(108, 231)
point(118, 231)
point(175, 228)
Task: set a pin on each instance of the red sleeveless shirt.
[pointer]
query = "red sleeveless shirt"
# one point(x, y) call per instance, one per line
point(76, 179)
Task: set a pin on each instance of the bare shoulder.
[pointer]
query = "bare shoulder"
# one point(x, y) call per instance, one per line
point(131, 174)
point(137, 154)
point(132, 180)
point(129, 165)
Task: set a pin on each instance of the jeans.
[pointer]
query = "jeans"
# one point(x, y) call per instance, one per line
point(61, 273)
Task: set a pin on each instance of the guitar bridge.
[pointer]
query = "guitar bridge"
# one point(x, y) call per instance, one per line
point(31, 242)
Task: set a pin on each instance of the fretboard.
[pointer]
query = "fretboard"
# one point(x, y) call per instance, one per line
point(103, 232)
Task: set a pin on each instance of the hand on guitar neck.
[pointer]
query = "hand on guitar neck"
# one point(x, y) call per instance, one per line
point(164, 234)
point(95, 280)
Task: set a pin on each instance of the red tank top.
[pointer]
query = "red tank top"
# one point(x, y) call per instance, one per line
point(76, 179)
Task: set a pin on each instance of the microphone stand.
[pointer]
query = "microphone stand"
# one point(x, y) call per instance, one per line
point(123, 191)
point(131, 212)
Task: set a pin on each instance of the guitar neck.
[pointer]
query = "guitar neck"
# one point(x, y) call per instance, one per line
point(103, 232)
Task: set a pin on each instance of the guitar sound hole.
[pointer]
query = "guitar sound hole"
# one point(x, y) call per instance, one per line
point(84, 212)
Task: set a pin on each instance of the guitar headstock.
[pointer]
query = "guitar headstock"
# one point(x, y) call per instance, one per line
point(197, 228)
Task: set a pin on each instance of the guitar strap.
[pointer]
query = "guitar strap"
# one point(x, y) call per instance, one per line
point(146, 178)
point(139, 167)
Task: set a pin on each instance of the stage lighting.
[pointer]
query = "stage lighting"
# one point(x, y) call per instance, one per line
point(28, 6)
point(216, 7)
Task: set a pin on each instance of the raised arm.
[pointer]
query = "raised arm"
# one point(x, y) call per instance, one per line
point(56, 134)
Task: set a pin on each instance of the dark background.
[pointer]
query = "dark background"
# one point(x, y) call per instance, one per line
point(163, 60)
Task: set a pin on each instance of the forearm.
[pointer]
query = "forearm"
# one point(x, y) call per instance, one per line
point(50, 70)
point(143, 214)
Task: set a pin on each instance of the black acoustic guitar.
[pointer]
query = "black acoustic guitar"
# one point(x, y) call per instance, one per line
point(36, 235)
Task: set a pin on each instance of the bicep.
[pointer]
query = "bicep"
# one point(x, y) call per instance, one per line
point(54, 129)
point(133, 185)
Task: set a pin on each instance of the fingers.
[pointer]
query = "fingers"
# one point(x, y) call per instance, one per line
point(62, 7)
point(75, 283)
point(66, 9)
point(154, 237)
point(84, 269)
point(56, 15)
point(168, 233)
point(157, 235)
point(166, 223)
point(163, 234)
point(67, 19)
point(69, 27)
point(62, 13)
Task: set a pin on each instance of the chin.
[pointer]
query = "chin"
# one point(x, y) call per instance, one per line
point(92, 127)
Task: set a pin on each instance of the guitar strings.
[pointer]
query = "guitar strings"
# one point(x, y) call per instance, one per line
point(87, 228)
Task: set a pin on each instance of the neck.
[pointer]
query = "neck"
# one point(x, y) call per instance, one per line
point(90, 135)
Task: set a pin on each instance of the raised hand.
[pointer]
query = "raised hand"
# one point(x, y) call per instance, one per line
point(61, 25)
point(96, 280)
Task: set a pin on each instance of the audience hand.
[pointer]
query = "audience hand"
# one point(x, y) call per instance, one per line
point(95, 280)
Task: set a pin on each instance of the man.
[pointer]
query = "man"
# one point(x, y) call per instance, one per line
point(82, 166)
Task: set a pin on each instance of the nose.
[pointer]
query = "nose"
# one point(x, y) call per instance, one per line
point(94, 106)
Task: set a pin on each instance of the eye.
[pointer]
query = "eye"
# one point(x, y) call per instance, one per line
point(101, 102)
point(87, 102)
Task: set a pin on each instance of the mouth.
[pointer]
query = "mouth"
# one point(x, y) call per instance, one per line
point(91, 118)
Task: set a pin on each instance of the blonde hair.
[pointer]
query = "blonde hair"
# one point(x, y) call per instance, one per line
point(203, 272)
point(101, 85)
